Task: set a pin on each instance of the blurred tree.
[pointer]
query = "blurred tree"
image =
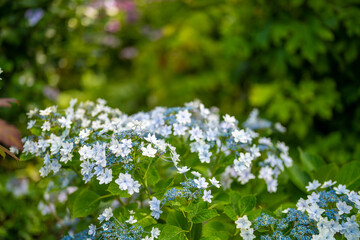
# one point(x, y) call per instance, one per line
point(295, 60)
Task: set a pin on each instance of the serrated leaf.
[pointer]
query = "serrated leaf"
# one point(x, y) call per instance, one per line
point(152, 176)
point(146, 221)
point(217, 229)
point(176, 218)
point(85, 203)
point(204, 215)
point(115, 190)
point(246, 204)
point(230, 212)
point(170, 232)
point(194, 208)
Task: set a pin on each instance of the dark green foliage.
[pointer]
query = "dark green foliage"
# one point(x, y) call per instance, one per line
point(297, 61)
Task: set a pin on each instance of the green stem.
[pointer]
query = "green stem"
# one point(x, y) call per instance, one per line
point(216, 164)
point(138, 170)
point(101, 197)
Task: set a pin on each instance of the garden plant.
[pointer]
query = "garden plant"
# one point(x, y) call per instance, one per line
point(175, 173)
point(136, 157)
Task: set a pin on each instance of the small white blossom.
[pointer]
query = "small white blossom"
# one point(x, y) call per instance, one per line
point(14, 150)
point(183, 117)
point(241, 136)
point(201, 183)
point(243, 223)
point(328, 184)
point(196, 174)
point(313, 185)
point(341, 189)
point(46, 126)
point(229, 119)
point(247, 234)
point(105, 177)
point(183, 169)
point(207, 196)
point(302, 205)
point(84, 133)
point(155, 208)
point(343, 208)
point(155, 232)
point(215, 182)
point(131, 220)
point(148, 151)
point(92, 230)
point(106, 215)
point(126, 182)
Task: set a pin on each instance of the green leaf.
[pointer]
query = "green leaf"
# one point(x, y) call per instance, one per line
point(177, 218)
point(115, 190)
point(36, 131)
point(311, 162)
point(205, 215)
point(196, 231)
point(71, 199)
point(163, 184)
point(221, 198)
point(210, 238)
point(152, 176)
point(170, 232)
point(25, 157)
point(349, 175)
point(235, 198)
point(299, 177)
point(194, 208)
point(326, 172)
point(146, 221)
point(230, 212)
point(85, 203)
point(246, 204)
point(100, 189)
point(217, 229)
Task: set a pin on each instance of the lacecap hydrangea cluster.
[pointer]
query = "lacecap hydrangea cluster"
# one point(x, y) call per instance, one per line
point(99, 138)
point(112, 228)
point(102, 137)
point(329, 212)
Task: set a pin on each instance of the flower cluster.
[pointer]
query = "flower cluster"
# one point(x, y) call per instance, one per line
point(111, 228)
point(191, 189)
point(192, 143)
point(101, 137)
point(323, 215)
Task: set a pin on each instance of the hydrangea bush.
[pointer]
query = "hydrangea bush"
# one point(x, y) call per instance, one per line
point(171, 173)
point(327, 213)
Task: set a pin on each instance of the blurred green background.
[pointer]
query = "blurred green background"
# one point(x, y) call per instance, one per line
point(296, 60)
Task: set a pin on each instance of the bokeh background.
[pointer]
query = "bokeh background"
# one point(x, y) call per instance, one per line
point(297, 61)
